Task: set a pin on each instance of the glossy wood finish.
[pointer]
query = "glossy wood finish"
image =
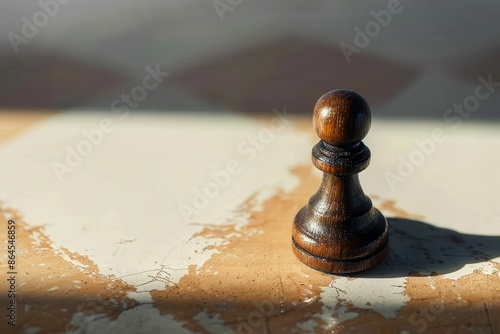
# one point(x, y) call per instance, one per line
point(339, 231)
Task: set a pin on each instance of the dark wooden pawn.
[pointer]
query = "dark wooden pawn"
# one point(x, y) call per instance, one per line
point(339, 231)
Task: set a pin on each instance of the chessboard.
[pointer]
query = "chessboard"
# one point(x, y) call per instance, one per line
point(181, 223)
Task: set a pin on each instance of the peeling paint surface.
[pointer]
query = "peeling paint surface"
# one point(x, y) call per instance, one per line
point(110, 249)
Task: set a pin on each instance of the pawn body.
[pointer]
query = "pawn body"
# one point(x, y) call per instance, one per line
point(339, 230)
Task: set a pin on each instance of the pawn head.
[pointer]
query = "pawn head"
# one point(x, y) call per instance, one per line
point(341, 117)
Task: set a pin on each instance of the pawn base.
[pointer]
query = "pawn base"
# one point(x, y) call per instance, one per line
point(347, 266)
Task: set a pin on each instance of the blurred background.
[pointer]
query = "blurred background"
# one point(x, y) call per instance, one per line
point(409, 59)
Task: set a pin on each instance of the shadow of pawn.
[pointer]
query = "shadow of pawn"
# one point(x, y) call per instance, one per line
point(420, 249)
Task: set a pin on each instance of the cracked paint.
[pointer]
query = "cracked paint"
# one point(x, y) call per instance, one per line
point(238, 274)
point(47, 296)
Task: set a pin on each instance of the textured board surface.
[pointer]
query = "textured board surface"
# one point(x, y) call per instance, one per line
point(121, 237)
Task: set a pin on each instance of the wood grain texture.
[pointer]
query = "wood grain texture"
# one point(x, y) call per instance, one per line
point(340, 231)
point(434, 279)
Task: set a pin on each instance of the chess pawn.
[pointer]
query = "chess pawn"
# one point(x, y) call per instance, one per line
point(339, 231)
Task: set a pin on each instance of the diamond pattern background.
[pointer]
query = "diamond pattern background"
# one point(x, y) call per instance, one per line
point(252, 57)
